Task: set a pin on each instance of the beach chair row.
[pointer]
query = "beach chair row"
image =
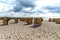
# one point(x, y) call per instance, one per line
point(5, 20)
point(28, 20)
point(57, 20)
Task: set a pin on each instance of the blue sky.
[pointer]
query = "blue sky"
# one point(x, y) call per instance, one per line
point(45, 7)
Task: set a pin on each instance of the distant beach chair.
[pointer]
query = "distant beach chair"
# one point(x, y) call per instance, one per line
point(16, 20)
point(57, 20)
point(22, 19)
point(50, 19)
point(5, 21)
point(29, 20)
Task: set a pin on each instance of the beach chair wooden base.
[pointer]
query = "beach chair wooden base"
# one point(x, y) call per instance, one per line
point(58, 22)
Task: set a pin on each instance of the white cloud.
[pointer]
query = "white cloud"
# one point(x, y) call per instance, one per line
point(39, 5)
point(21, 14)
point(27, 9)
point(42, 3)
point(5, 7)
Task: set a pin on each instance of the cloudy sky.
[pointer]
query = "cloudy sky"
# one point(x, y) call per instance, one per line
point(43, 7)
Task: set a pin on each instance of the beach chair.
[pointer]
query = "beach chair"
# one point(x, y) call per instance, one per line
point(50, 19)
point(22, 19)
point(38, 21)
point(41, 19)
point(55, 19)
point(28, 20)
point(16, 20)
point(58, 21)
point(5, 21)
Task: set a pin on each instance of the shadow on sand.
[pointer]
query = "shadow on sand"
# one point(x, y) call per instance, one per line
point(35, 26)
point(27, 24)
point(3, 25)
point(12, 23)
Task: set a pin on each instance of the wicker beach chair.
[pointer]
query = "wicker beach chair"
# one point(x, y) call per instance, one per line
point(38, 21)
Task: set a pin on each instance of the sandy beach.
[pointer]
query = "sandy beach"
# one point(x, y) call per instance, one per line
point(21, 31)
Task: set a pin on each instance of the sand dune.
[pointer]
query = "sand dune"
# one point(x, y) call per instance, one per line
point(20, 31)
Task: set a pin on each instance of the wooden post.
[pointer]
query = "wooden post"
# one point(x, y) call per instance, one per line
point(5, 21)
point(16, 20)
